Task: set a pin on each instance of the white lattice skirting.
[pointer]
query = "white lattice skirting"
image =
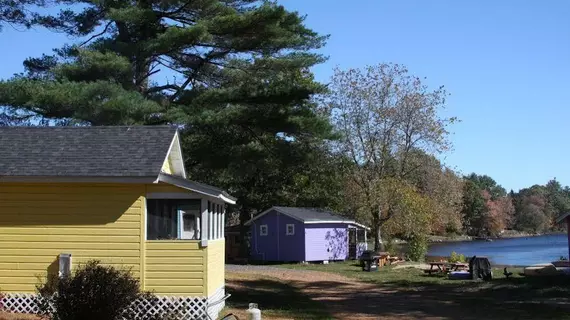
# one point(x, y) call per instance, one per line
point(186, 308)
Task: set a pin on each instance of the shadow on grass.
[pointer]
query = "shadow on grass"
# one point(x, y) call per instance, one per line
point(409, 294)
point(275, 298)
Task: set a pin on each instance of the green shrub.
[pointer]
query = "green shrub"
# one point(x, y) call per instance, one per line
point(92, 292)
point(417, 247)
point(389, 246)
point(456, 257)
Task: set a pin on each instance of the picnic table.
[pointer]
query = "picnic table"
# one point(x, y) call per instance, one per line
point(443, 266)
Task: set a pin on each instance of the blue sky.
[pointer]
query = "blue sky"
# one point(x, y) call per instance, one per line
point(506, 64)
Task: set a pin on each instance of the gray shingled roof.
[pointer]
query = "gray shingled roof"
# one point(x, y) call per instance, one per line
point(137, 151)
point(310, 214)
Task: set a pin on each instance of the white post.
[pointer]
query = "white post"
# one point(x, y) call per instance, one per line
point(220, 223)
point(224, 222)
point(204, 234)
point(211, 215)
point(215, 210)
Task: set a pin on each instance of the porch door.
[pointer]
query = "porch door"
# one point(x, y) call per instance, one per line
point(188, 223)
point(351, 243)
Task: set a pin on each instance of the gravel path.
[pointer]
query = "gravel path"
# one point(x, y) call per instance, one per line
point(346, 298)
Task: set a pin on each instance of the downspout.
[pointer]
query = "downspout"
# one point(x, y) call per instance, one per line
point(278, 235)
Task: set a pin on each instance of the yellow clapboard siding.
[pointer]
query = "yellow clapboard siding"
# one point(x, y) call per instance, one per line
point(90, 221)
point(176, 260)
point(81, 252)
point(132, 211)
point(19, 288)
point(178, 290)
point(155, 245)
point(33, 230)
point(40, 268)
point(172, 275)
point(36, 267)
point(63, 205)
point(76, 259)
point(68, 245)
point(173, 282)
point(68, 238)
point(93, 224)
point(174, 253)
point(166, 166)
point(77, 218)
point(216, 265)
point(173, 267)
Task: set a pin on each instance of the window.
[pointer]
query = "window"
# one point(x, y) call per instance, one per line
point(290, 229)
point(263, 230)
point(169, 219)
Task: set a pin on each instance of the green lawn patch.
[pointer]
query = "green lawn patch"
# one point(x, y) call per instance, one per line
point(515, 298)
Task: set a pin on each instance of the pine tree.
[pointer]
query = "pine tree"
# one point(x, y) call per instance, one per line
point(17, 13)
point(233, 74)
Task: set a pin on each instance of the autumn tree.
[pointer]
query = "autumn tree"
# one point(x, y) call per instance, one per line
point(533, 210)
point(442, 186)
point(499, 213)
point(384, 114)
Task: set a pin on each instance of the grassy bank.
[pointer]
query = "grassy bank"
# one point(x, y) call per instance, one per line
point(413, 291)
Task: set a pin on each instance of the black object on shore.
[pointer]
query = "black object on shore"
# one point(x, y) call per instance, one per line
point(506, 273)
point(480, 268)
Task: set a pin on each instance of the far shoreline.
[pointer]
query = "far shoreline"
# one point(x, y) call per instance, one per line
point(506, 235)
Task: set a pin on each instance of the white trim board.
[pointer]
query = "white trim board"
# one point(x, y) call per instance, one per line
point(195, 187)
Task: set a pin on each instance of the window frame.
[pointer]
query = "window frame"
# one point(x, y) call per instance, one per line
point(261, 233)
point(172, 197)
point(292, 233)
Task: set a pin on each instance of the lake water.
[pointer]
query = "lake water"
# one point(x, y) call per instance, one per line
point(516, 251)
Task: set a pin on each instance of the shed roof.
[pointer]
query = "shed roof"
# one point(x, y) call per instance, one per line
point(309, 215)
point(118, 151)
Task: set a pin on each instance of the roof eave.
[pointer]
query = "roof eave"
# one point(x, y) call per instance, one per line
point(337, 221)
point(196, 187)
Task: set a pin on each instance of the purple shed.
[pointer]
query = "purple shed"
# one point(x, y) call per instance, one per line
point(304, 234)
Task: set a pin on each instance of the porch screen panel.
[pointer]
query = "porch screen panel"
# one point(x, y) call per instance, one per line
point(162, 217)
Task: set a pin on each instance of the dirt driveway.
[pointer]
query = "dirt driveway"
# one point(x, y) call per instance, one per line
point(346, 298)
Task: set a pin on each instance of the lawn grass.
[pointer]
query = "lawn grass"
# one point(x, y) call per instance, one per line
point(278, 299)
point(515, 298)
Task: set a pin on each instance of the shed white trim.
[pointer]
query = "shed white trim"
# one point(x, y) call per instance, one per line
point(336, 221)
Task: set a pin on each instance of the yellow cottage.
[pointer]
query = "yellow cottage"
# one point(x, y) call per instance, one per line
point(115, 194)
